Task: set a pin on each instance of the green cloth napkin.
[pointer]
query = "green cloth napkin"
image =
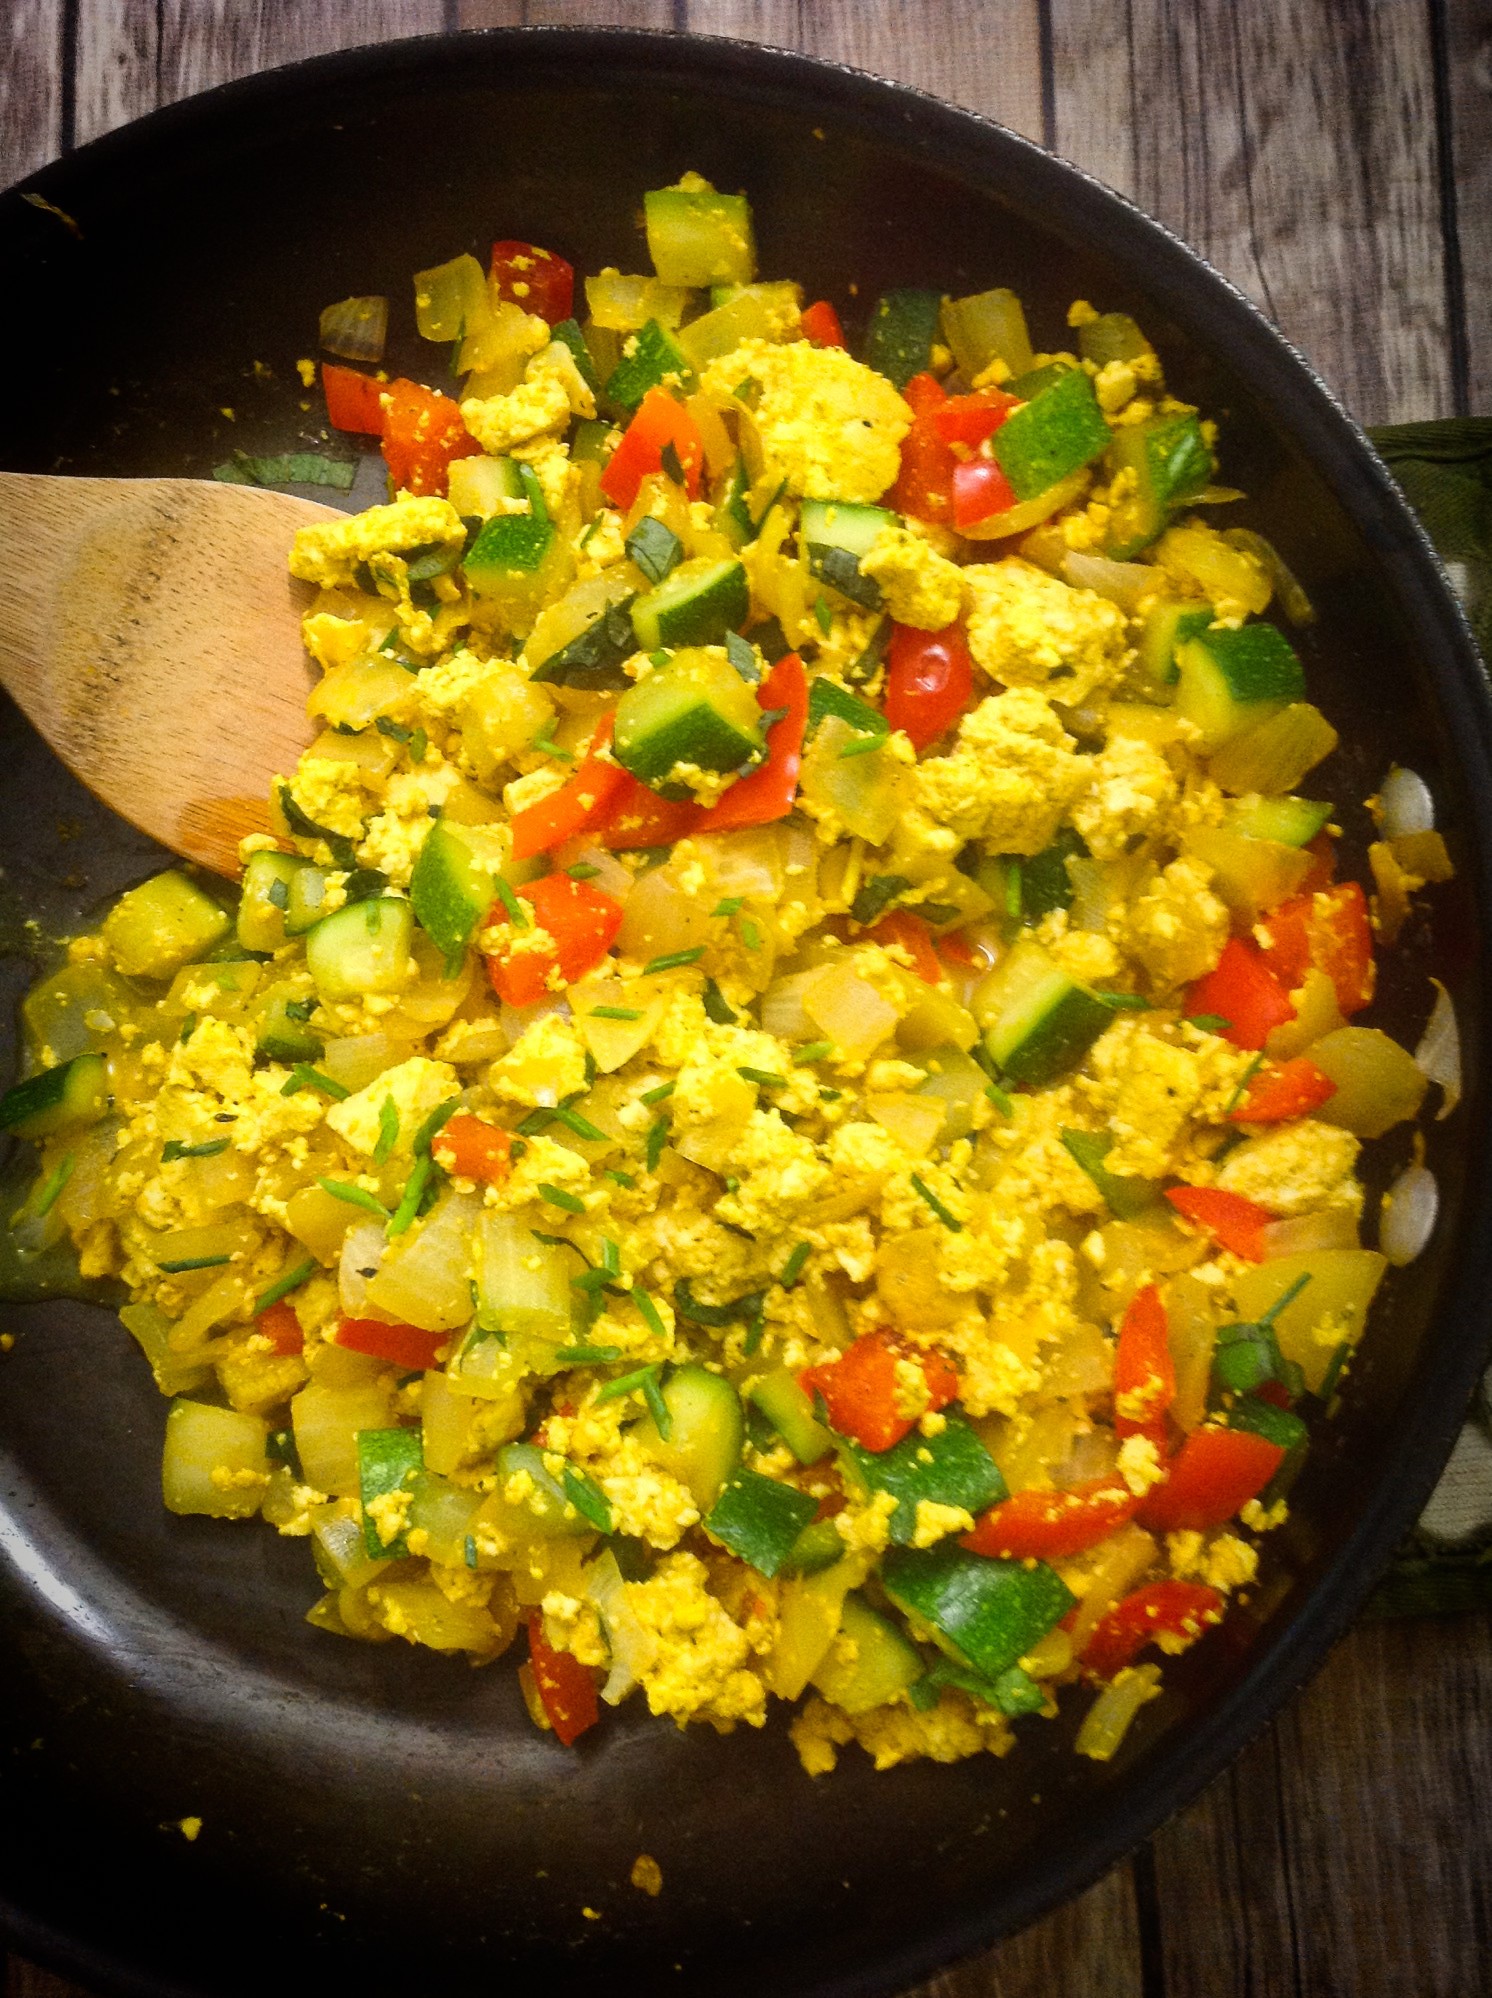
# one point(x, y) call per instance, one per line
point(1445, 472)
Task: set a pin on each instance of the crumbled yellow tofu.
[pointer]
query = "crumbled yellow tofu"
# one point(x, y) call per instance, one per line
point(831, 426)
point(1296, 1169)
point(415, 1088)
point(329, 551)
point(1010, 777)
point(1030, 629)
point(920, 586)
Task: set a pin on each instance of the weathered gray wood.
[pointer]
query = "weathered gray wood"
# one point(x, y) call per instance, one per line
point(1467, 54)
point(1089, 1949)
point(1296, 147)
point(30, 86)
point(565, 14)
point(776, 21)
point(986, 57)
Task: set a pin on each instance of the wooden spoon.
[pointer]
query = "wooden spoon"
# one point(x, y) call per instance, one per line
point(150, 630)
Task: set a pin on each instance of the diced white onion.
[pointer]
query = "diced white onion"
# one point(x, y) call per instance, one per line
point(782, 1008)
point(1123, 583)
point(356, 328)
point(1092, 896)
point(362, 1250)
point(1407, 804)
point(516, 1020)
point(632, 1648)
point(1107, 1721)
point(1439, 1052)
point(1300, 1234)
point(1409, 1210)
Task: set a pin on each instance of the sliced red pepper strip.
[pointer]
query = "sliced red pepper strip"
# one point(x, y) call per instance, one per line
point(567, 1689)
point(1213, 1475)
point(1048, 1526)
point(905, 927)
point(1233, 1222)
point(980, 490)
point(422, 433)
point(768, 792)
point(659, 422)
point(924, 392)
point(820, 324)
point(536, 279)
point(581, 920)
point(1245, 992)
point(1180, 1611)
point(638, 817)
point(969, 419)
point(1294, 1089)
point(860, 1391)
point(280, 1325)
point(474, 1150)
point(1144, 1373)
point(929, 678)
point(581, 804)
point(1330, 930)
point(353, 401)
point(402, 1345)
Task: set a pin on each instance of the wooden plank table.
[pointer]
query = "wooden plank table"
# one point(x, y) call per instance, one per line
point(1334, 158)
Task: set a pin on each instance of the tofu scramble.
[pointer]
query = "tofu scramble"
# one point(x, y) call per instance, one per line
point(779, 1109)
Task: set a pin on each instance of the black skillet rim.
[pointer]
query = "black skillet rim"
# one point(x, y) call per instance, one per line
point(1222, 317)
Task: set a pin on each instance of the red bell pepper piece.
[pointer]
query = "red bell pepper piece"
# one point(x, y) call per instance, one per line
point(1331, 931)
point(929, 678)
point(1294, 1089)
point(1244, 991)
point(1323, 852)
point(582, 802)
point(767, 793)
point(659, 422)
point(860, 1392)
point(1233, 1222)
point(980, 490)
point(924, 392)
point(422, 433)
point(969, 419)
point(638, 817)
point(1144, 1374)
point(1215, 1472)
point(1048, 1526)
point(536, 279)
point(905, 927)
point(1178, 1611)
point(924, 485)
point(567, 1689)
point(957, 949)
point(581, 920)
point(280, 1325)
point(474, 1150)
point(353, 401)
point(820, 324)
point(405, 1346)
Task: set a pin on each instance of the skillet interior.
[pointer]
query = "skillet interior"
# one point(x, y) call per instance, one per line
point(394, 1814)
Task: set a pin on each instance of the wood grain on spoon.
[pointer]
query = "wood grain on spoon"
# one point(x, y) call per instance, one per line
point(150, 629)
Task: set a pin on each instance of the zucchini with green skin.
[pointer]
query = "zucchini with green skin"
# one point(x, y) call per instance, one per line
point(1232, 679)
point(988, 326)
point(760, 1519)
point(1275, 1425)
point(451, 887)
point(1112, 336)
point(362, 948)
point(790, 1412)
point(265, 898)
point(163, 924)
point(1037, 1021)
point(698, 237)
point(1059, 431)
point(68, 1097)
point(705, 1432)
point(835, 534)
point(1045, 883)
point(281, 1030)
point(696, 605)
point(902, 333)
point(1171, 463)
point(656, 360)
point(816, 1548)
point(696, 710)
point(1168, 624)
point(988, 1613)
point(952, 1468)
point(388, 1461)
point(593, 660)
point(538, 1492)
point(1288, 820)
point(869, 1664)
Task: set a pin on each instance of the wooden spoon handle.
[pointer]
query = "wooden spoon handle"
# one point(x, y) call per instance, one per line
point(151, 632)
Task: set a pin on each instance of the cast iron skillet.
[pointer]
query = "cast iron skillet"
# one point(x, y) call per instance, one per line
point(379, 1815)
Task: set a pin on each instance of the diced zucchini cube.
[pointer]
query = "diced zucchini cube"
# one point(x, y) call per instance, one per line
point(697, 605)
point(65, 1098)
point(265, 898)
point(215, 1461)
point(903, 329)
point(362, 948)
point(655, 360)
point(1056, 433)
point(698, 237)
point(163, 924)
point(696, 710)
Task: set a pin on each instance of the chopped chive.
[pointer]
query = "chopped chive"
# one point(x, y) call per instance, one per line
point(392, 729)
point(1013, 890)
point(950, 1221)
point(557, 1197)
point(792, 1269)
point(511, 903)
point(625, 1384)
point(717, 1007)
point(863, 745)
point(754, 1333)
point(1124, 1002)
point(193, 1263)
point(1285, 1297)
point(611, 1256)
point(1002, 1102)
point(433, 1125)
point(587, 1356)
point(660, 658)
point(187, 1026)
point(731, 906)
point(355, 1196)
point(824, 615)
point(621, 1178)
point(535, 1122)
point(471, 1551)
point(61, 1173)
point(283, 1284)
point(673, 960)
point(659, 1095)
point(1210, 1023)
point(1243, 1082)
point(175, 1149)
point(668, 459)
point(751, 936)
point(829, 1095)
point(556, 1241)
point(588, 1280)
point(656, 1140)
point(582, 1127)
point(657, 1406)
point(587, 1498)
point(648, 1312)
point(582, 870)
point(546, 745)
point(388, 1131)
point(763, 1077)
point(616, 1013)
point(303, 1076)
point(414, 1192)
point(814, 1051)
point(419, 742)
